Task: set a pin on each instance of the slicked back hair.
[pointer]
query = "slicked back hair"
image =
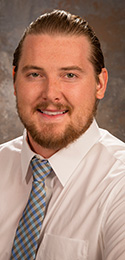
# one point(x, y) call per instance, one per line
point(63, 23)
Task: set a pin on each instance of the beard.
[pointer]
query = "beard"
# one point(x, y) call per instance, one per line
point(47, 136)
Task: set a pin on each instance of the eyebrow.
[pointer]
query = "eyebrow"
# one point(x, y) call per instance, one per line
point(72, 68)
point(31, 67)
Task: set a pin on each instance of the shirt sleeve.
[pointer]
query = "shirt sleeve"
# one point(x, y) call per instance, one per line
point(114, 225)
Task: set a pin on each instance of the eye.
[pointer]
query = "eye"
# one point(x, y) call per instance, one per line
point(34, 74)
point(70, 75)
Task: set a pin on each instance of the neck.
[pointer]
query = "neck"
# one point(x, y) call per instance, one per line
point(35, 147)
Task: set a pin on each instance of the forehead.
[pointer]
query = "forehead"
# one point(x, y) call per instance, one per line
point(60, 48)
point(48, 41)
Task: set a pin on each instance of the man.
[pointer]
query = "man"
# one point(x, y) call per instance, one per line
point(59, 78)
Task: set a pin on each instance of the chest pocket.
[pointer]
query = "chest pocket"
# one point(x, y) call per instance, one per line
point(62, 248)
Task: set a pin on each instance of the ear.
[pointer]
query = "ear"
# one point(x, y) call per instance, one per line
point(14, 90)
point(13, 74)
point(101, 86)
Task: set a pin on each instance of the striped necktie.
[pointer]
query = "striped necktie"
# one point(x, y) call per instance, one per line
point(28, 232)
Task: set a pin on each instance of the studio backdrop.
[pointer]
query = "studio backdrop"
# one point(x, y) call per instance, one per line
point(108, 20)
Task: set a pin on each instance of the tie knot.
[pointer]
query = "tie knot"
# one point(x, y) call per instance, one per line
point(41, 169)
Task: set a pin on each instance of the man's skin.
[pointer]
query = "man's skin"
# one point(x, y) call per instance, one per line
point(56, 87)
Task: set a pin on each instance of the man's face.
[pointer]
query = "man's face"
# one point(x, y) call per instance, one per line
point(56, 88)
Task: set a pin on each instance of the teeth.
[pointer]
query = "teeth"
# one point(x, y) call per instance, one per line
point(53, 113)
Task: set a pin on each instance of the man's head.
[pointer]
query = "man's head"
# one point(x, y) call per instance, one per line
point(59, 77)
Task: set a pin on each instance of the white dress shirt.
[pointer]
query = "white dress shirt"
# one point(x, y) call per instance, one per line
point(85, 218)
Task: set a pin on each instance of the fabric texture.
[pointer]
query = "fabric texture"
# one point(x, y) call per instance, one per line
point(85, 216)
point(28, 231)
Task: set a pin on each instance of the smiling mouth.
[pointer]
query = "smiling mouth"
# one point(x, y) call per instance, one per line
point(53, 113)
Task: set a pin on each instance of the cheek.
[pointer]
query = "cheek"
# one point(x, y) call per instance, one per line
point(82, 98)
point(84, 103)
point(24, 94)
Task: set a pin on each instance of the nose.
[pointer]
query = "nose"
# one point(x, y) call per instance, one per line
point(52, 90)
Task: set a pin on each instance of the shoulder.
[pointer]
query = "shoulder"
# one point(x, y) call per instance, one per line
point(12, 147)
point(113, 146)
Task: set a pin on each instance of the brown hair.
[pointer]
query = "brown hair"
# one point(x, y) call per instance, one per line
point(61, 22)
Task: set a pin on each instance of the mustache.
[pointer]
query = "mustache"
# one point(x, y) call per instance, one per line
point(58, 106)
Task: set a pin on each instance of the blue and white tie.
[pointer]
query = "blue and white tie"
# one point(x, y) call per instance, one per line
point(28, 232)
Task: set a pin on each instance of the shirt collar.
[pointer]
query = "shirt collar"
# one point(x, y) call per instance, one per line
point(26, 155)
point(66, 160)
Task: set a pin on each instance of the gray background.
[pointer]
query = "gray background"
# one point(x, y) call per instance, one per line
point(108, 20)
